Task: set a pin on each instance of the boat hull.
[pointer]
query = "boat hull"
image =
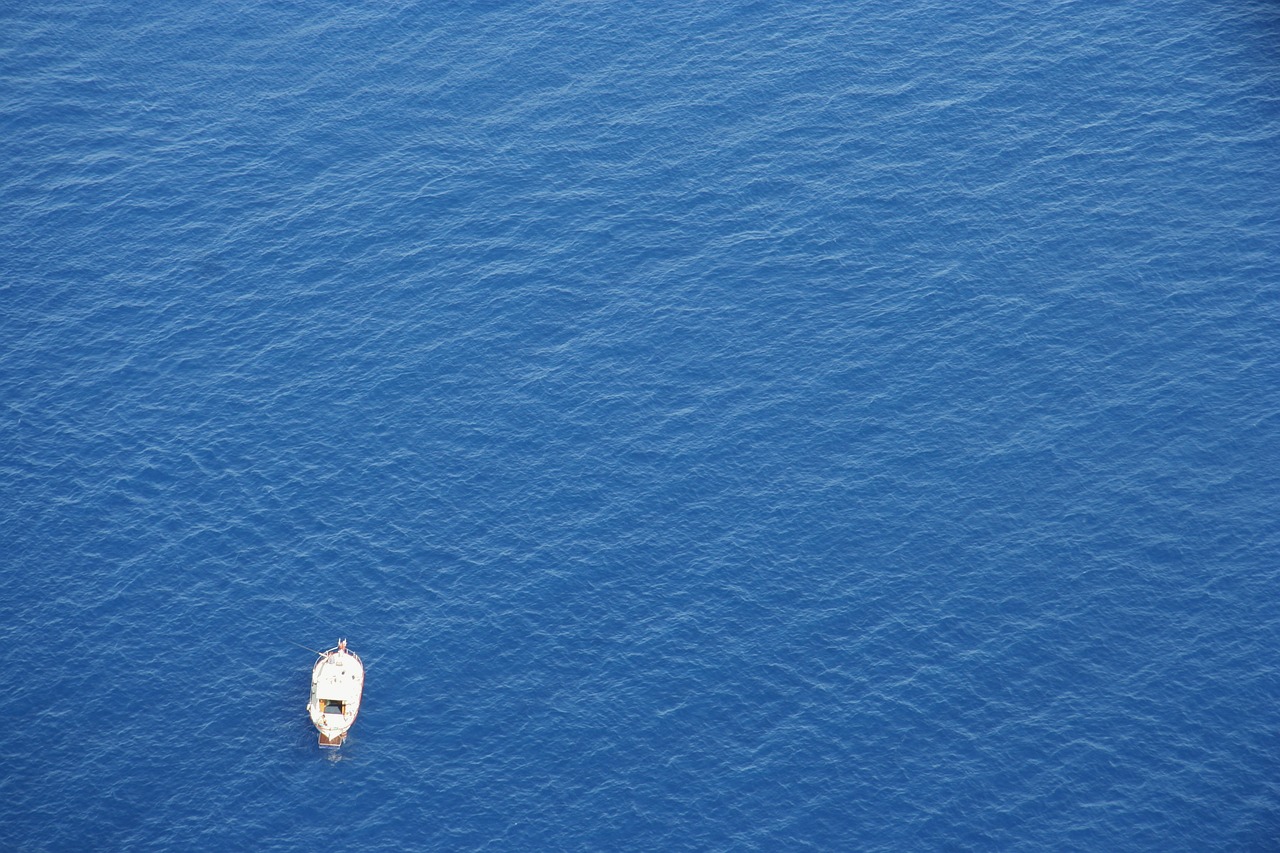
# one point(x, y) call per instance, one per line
point(337, 683)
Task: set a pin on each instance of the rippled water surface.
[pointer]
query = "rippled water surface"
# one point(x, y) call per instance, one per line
point(719, 426)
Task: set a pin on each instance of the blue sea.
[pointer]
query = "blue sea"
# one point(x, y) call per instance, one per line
point(719, 426)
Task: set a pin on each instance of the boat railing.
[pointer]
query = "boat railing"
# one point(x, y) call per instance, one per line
point(329, 653)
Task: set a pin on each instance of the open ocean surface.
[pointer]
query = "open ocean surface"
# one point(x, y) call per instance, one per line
point(719, 426)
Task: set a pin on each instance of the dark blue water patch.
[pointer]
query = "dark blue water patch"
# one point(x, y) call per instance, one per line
point(727, 428)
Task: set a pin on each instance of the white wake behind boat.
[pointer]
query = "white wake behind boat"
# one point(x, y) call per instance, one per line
point(337, 681)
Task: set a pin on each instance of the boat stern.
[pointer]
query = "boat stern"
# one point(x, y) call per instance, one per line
point(332, 742)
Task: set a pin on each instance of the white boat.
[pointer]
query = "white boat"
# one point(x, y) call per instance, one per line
point(337, 680)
